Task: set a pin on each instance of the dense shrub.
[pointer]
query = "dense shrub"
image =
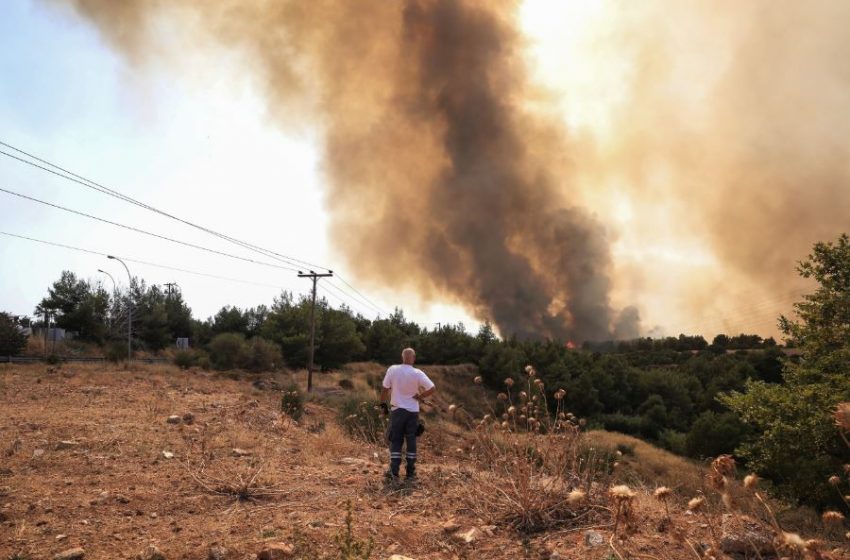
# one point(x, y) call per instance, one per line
point(115, 351)
point(361, 418)
point(12, 341)
point(184, 359)
point(261, 355)
point(227, 350)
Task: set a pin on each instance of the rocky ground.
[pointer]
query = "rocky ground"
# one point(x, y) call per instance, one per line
point(101, 462)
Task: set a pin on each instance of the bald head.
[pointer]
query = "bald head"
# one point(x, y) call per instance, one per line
point(408, 356)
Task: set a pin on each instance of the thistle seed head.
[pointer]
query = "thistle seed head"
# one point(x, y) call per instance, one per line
point(695, 504)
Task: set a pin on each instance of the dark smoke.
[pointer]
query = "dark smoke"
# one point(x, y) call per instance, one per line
point(441, 178)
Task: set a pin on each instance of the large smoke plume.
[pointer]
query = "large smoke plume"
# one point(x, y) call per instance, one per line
point(441, 179)
point(449, 174)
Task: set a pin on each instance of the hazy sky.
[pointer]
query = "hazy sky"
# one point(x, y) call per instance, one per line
point(705, 136)
point(190, 143)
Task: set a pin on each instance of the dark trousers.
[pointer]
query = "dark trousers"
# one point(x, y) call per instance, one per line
point(403, 424)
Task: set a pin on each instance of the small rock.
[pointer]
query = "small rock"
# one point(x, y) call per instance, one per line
point(154, 515)
point(168, 455)
point(122, 499)
point(451, 526)
point(240, 452)
point(67, 444)
point(103, 495)
point(744, 536)
point(593, 538)
point(489, 530)
point(37, 453)
point(189, 418)
point(151, 553)
point(71, 554)
point(61, 537)
point(351, 461)
point(217, 553)
point(279, 551)
point(173, 419)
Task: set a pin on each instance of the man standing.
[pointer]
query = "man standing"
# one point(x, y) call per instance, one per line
point(402, 385)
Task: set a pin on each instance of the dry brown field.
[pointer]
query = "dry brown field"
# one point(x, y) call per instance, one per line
point(88, 459)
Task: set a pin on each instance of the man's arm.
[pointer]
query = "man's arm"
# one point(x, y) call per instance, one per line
point(425, 394)
point(430, 387)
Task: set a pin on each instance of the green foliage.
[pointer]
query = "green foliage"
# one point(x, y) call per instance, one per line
point(796, 444)
point(53, 359)
point(77, 306)
point(361, 418)
point(12, 340)
point(260, 355)
point(292, 402)
point(184, 359)
point(116, 351)
point(349, 547)
point(714, 434)
point(227, 350)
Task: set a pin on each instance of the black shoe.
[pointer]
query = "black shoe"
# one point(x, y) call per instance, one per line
point(390, 477)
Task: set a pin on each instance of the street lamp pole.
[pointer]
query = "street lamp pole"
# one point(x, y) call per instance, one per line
point(114, 292)
point(129, 310)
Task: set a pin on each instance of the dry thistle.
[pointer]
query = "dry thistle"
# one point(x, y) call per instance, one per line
point(622, 492)
point(452, 408)
point(478, 380)
point(793, 540)
point(842, 416)
point(511, 410)
point(576, 497)
point(834, 480)
point(509, 382)
point(751, 481)
point(661, 493)
point(832, 517)
point(560, 394)
point(724, 465)
point(502, 396)
point(696, 503)
point(523, 395)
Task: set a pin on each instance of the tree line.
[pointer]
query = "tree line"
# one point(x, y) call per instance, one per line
point(737, 394)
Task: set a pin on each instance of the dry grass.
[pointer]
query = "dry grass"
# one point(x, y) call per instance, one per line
point(646, 465)
point(291, 481)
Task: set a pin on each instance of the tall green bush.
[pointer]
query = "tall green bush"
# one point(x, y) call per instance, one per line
point(797, 445)
point(12, 341)
point(227, 350)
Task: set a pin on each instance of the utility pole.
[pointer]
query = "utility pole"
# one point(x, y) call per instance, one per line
point(170, 286)
point(315, 277)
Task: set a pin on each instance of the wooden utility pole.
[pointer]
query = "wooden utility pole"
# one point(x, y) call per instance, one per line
point(315, 277)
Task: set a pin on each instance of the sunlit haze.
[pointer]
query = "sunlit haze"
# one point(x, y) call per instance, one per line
point(672, 132)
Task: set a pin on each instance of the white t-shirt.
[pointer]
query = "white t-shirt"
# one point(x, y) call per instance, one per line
point(405, 382)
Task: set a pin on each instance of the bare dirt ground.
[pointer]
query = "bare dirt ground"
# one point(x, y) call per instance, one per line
point(88, 459)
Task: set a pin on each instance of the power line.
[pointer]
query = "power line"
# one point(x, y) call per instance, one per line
point(137, 230)
point(365, 299)
point(79, 179)
point(137, 261)
point(360, 303)
point(88, 183)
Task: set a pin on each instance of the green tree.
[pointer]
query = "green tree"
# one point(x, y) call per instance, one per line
point(797, 445)
point(714, 434)
point(77, 306)
point(12, 340)
point(338, 340)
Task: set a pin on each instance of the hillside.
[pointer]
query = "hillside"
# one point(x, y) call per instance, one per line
point(90, 460)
